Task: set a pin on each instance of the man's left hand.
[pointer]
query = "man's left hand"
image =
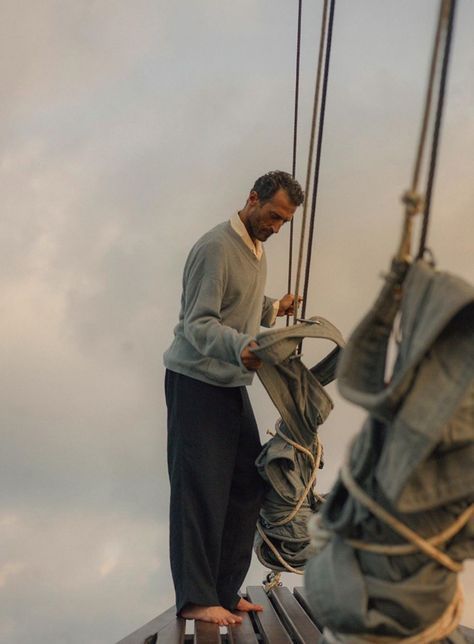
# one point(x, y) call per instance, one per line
point(287, 304)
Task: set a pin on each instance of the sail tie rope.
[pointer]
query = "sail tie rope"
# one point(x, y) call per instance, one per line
point(436, 632)
point(451, 617)
point(401, 528)
point(315, 462)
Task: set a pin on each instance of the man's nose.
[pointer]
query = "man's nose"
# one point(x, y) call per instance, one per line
point(276, 226)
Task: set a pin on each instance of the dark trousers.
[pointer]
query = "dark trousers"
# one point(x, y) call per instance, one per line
point(216, 491)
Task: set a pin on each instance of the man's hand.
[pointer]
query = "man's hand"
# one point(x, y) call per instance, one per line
point(287, 304)
point(249, 359)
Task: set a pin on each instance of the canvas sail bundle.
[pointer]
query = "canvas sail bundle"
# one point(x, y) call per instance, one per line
point(290, 460)
point(412, 465)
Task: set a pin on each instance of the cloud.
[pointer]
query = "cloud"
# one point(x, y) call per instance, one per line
point(86, 577)
point(126, 133)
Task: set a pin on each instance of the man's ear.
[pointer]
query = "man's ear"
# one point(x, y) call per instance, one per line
point(253, 197)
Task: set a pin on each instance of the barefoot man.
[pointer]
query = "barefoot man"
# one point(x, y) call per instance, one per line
point(213, 439)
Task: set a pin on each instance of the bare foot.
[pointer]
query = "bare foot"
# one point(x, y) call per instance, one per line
point(247, 606)
point(213, 614)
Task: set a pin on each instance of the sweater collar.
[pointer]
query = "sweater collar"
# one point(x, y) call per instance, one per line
point(239, 227)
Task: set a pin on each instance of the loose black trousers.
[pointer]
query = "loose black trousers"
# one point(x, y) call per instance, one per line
point(216, 491)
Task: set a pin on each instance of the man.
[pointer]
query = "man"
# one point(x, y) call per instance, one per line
point(213, 438)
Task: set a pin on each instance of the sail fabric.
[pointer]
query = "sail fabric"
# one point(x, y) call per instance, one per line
point(298, 394)
point(414, 456)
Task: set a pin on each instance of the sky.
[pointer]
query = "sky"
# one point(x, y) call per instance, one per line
point(127, 130)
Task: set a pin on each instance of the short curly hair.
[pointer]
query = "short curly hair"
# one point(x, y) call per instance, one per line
point(268, 184)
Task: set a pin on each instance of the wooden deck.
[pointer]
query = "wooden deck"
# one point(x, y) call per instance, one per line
point(286, 619)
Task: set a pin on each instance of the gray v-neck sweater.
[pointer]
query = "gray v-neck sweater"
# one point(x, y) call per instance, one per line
point(222, 308)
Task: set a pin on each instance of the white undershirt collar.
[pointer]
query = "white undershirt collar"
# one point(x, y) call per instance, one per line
point(239, 227)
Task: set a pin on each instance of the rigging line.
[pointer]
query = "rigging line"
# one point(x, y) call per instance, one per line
point(295, 137)
point(310, 152)
point(318, 155)
point(428, 100)
point(451, 8)
point(297, 85)
point(411, 198)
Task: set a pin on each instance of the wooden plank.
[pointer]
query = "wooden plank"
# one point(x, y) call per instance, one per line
point(149, 629)
point(468, 634)
point(298, 623)
point(269, 624)
point(206, 633)
point(243, 633)
point(173, 633)
point(300, 595)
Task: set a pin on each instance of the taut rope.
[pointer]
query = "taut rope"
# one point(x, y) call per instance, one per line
point(448, 8)
point(310, 153)
point(413, 200)
point(295, 138)
point(318, 156)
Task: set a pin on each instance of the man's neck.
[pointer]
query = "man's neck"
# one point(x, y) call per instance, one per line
point(239, 226)
point(243, 218)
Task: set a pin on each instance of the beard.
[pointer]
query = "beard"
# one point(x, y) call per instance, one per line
point(264, 235)
point(258, 231)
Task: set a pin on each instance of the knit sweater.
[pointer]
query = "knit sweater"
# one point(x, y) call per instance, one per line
point(222, 308)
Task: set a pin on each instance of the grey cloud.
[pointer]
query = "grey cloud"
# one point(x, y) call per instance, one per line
point(128, 132)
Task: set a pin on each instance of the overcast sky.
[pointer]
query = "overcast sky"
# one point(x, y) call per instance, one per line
point(127, 130)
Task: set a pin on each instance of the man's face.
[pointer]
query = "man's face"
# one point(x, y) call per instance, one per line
point(267, 219)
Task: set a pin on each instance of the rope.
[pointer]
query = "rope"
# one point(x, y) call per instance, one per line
point(321, 536)
point(428, 102)
point(407, 549)
point(414, 202)
point(318, 156)
point(315, 462)
point(448, 7)
point(272, 581)
point(278, 556)
point(312, 479)
point(410, 535)
point(297, 84)
point(310, 152)
point(436, 632)
point(295, 137)
point(451, 617)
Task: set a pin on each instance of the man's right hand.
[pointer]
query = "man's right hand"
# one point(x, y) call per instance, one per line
point(249, 359)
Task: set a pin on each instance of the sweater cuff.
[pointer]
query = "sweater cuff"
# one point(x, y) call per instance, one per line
point(245, 342)
point(273, 316)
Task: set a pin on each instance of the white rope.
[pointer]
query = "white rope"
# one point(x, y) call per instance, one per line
point(278, 556)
